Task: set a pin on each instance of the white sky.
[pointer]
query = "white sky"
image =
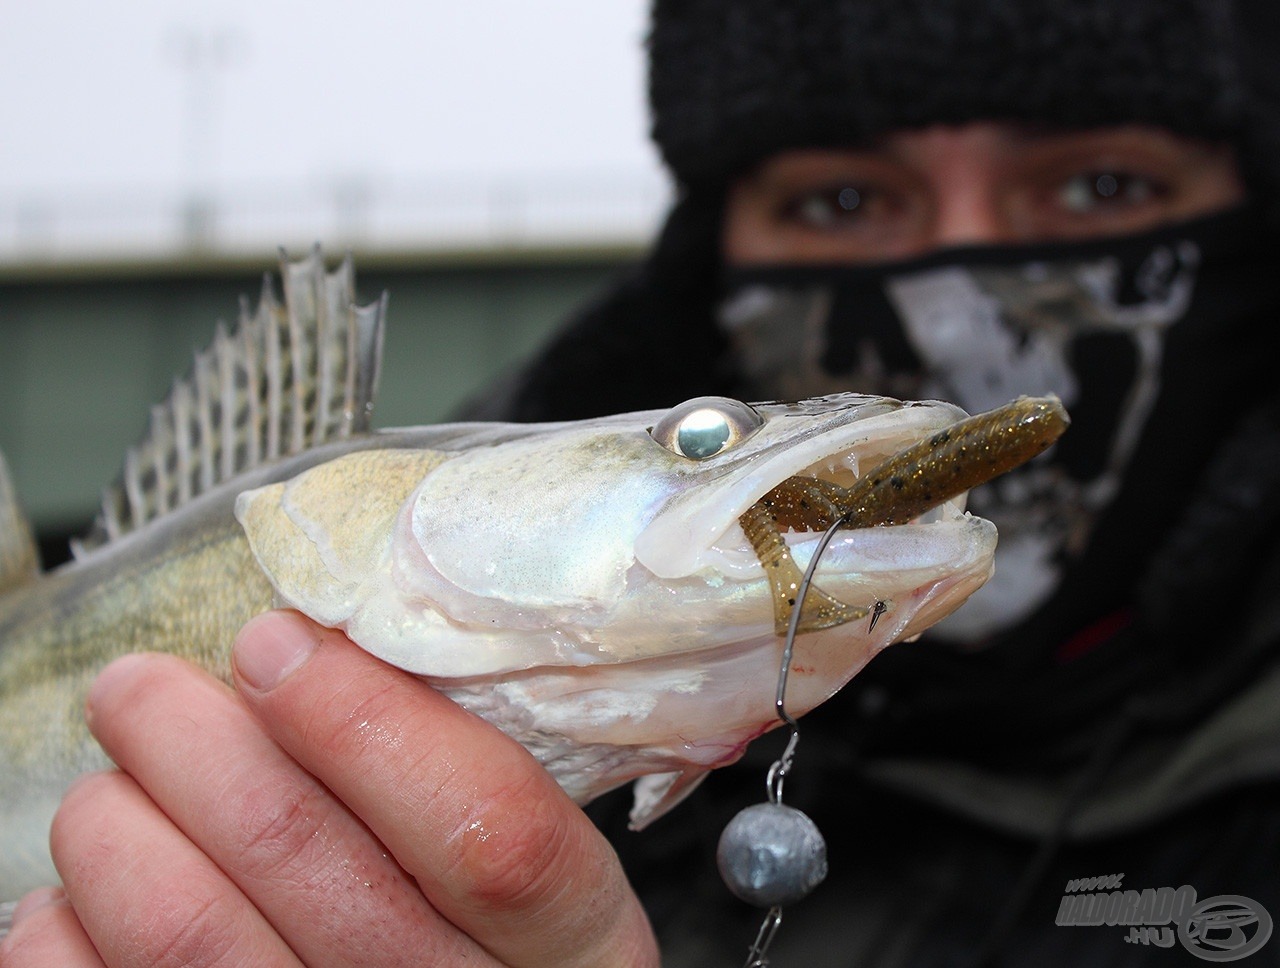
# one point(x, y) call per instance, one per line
point(96, 96)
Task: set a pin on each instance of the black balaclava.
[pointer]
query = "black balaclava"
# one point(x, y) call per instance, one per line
point(1122, 329)
point(1140, 337)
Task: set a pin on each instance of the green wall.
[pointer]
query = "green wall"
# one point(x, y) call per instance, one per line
point(82, 359)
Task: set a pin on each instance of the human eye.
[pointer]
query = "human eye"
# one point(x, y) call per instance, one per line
point(826, 206)
point(1101, 190)
point(840, 206)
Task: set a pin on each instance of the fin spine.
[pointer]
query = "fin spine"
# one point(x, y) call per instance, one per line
point(288, 377)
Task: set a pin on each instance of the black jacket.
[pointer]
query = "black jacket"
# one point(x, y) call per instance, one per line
point(960, 794)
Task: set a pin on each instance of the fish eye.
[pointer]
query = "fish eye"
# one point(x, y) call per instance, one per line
point(706, 426)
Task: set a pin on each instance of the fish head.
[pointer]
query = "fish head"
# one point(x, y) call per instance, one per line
point(602, 541)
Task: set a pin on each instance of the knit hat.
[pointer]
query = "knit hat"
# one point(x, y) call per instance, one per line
point(733, 81)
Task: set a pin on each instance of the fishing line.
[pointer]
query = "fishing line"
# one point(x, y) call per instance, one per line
point(778, 771)
point(771, 854)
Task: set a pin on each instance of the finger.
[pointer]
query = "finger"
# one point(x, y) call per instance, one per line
point(314, 871)
point(144, 893)
point(47, 932)
point(494, 843)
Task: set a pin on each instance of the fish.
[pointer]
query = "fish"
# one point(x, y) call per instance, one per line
point(588, 586)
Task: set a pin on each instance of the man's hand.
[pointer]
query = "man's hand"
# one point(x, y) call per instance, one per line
point(338, 812)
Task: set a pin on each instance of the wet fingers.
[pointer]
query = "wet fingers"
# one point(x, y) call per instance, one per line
point(309, 868)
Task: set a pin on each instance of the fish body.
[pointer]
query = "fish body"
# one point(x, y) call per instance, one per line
point(585, 586)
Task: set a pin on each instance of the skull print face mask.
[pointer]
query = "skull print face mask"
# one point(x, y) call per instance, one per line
point(1139, 336)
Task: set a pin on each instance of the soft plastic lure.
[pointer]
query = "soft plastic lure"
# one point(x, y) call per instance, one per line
point(898, 490)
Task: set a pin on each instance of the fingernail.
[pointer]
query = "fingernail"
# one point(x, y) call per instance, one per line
point(80, 780)
point(271, 647)
point(37, 899)
point(117, 672)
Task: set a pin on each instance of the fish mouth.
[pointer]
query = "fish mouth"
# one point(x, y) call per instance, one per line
point(734, 555)
point(703, 533)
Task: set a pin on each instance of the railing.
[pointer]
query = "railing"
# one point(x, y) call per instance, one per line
point(370, 214)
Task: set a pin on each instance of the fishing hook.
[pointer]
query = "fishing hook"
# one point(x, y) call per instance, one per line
point(756, 957)
point(876, 611)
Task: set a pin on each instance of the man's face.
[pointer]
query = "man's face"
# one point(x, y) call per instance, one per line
point(854, 307)
point(916, 191)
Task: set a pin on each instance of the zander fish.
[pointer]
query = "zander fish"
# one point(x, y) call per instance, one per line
point(588, 587)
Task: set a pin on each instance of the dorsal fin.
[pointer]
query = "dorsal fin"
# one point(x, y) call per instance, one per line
point(290, 377)
point(19, 560)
